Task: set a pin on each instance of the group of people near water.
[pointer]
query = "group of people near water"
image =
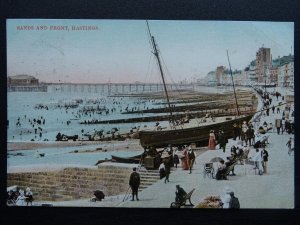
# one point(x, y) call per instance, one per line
point(92, 111)
point(33, 126)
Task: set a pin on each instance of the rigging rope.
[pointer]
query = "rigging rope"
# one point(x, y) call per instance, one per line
point(176, 86)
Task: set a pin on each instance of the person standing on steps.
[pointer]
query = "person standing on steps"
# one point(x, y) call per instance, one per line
point(134, 183)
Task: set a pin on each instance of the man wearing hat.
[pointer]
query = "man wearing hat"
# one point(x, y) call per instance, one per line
point(180, 193)
point(134, 183)
point(234, 202)
point(191, 158)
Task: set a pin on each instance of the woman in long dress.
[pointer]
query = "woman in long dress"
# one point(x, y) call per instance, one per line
point(184, 159)
point(212, 140)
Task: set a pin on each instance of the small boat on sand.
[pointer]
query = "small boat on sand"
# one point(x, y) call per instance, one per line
point(134, 159)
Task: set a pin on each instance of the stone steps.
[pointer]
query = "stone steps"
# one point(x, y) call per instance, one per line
point(148, 177)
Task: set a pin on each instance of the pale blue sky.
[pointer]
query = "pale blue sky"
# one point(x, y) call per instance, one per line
point(120, 50)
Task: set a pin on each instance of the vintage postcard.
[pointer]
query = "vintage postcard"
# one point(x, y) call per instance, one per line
point(150, 113)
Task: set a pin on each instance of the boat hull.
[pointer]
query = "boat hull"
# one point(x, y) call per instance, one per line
point(198, 135)
point(134, 159)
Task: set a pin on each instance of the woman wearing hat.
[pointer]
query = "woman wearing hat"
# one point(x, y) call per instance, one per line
point(21, 198)
point(212, 140)
point(184, 159)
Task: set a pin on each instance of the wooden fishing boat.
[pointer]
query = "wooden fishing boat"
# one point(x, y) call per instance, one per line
point(187, 135)
point(133, 159)
point(191, 132)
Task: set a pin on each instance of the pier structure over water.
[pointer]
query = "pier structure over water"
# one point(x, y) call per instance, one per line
point(115, 88)
point(27, 88)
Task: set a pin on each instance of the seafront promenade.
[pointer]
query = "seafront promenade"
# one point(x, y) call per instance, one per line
point(272, 190)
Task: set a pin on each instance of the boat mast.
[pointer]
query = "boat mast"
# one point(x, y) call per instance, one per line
point(237, 106)
point(160, 68)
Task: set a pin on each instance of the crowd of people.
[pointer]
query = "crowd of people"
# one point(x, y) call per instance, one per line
point(19, 197)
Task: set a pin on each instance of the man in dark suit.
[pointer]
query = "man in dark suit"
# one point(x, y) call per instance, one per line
point(134, 183)
point(180, 193)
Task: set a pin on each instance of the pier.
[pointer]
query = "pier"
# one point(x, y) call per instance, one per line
point(118, 88)
point(26, 88)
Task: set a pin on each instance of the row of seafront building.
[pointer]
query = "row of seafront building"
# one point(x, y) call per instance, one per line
point(262, 70)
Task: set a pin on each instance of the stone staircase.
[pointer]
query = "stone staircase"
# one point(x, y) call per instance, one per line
point(148, 177)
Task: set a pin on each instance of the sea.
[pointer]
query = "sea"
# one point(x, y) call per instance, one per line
point(24, 110)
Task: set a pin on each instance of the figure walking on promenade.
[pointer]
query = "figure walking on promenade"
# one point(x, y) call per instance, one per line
point(257, 158)
point(167, 162)
point(134, 183)
point(222, 140)
point(161, 170)
point(289, 144)
point(184, 159)
point(191, 158)
point(176, 158)
point(244, 130)
point(235, 131)
point(278, 124)
point(212, 140)
point(264, 155)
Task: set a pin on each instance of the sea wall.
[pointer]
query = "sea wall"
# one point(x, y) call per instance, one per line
point(72, 183)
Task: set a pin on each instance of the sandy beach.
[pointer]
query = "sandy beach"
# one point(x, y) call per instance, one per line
point(132, 144)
